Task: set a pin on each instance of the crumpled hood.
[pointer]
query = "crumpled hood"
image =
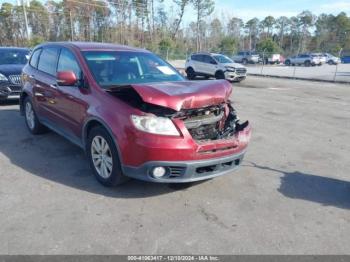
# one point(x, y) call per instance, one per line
point(184, 94)
point(11, 69)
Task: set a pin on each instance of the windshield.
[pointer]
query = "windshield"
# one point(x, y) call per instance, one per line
point(222, 59)
point(114, 68)
point(13, 57)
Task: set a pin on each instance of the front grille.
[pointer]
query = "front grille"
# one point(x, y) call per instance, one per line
point(241, 71)
point(15, 79)
point(204, 124)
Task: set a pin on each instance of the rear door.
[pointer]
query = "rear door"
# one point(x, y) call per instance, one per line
point(45, 87)
point(210, 65)
point(200, 64)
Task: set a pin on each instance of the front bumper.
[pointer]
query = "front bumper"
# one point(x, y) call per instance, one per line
point(233, 76)
point(8, 90)
point(186, 171)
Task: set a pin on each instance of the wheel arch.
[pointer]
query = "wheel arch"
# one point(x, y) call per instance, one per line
point(22, 97)
point(92, 122)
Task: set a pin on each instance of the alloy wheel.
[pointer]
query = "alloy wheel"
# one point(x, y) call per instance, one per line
point(30, 115)
point(102, 157)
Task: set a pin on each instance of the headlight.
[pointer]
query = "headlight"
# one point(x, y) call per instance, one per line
point(3, 78)
point(155, 125)
point(230, 68)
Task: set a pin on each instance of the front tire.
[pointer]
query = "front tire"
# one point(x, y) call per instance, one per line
point(104, 158)
point(32, 122)
point(287, 63)
point(219, 75)
point(307, 63)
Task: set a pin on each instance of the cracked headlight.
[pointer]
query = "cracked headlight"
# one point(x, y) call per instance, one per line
point(155, 125)
point(3, 78)
point(230, 68)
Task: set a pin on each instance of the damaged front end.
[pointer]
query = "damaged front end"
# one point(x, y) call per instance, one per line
point(208, 123)
point(212, 123)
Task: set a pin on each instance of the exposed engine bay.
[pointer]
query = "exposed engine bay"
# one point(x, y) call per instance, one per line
point(212, 123)
point(204, 124)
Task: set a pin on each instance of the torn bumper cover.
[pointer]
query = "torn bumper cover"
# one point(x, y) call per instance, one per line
point(195, 161)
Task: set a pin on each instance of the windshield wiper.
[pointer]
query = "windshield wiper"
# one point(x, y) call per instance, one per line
point(115, 88)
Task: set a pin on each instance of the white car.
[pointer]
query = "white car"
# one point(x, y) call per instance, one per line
point(303, 59)
point(331, 59)
point(214, 65)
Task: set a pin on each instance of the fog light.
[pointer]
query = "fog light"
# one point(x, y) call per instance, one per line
point(158, 172)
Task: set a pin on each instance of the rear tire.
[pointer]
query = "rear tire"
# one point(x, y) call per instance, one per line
point(104, 158)
point(191, 74)
point(287, 63)
point(244, 61)
point(33, 124)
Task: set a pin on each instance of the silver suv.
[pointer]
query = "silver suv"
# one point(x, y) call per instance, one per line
point(303, 59)
point(214, 65)
point(246, 57)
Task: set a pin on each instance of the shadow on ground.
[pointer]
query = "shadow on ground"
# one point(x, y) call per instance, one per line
point(52, 157)
point(323, 190)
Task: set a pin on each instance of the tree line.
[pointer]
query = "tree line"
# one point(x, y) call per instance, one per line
point(161, 27)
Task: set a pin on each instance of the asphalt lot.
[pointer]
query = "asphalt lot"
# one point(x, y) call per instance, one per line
point(291, 196)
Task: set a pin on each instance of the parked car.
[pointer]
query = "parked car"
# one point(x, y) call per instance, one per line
point(12, 60)
point(133, 113)
point(345, 57)
point(331, 59)
point(214, 65)
point(273, 59)
point(321, 57)
point(246, 57)
point(303, 59)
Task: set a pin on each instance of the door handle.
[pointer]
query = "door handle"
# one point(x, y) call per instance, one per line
point(31, 77)
point(54, 86)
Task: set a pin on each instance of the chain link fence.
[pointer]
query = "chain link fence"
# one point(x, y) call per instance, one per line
point(272, 64)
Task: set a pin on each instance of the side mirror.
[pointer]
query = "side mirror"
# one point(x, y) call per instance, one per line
point(213, 62)
point(66, 78)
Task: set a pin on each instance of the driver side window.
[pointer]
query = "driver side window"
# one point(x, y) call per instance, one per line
point(68, 62)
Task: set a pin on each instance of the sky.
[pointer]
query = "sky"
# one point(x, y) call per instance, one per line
point(247, 9)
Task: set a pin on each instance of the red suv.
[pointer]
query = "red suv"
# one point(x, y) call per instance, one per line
point(133, 113)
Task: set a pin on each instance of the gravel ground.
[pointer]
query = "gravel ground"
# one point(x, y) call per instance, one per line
point(291, 196)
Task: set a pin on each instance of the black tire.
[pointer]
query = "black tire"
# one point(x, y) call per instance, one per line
point(35, 127)
point(287, 63)
point(191, 74)
point(307, 63)
point(219, 75)
point(116, 177)
point(244, 61)
point(331, 62)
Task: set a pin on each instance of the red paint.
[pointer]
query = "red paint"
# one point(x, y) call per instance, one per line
point(70, 107)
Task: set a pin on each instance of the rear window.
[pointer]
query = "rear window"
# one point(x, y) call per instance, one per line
point(13, 56)
point(35, 58)
point(48, 60)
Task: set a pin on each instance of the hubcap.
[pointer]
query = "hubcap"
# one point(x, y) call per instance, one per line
point(102, 156)
point(30, 115)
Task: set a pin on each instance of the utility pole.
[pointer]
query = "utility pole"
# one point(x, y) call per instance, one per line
point(26, 19)
point(71, 26)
